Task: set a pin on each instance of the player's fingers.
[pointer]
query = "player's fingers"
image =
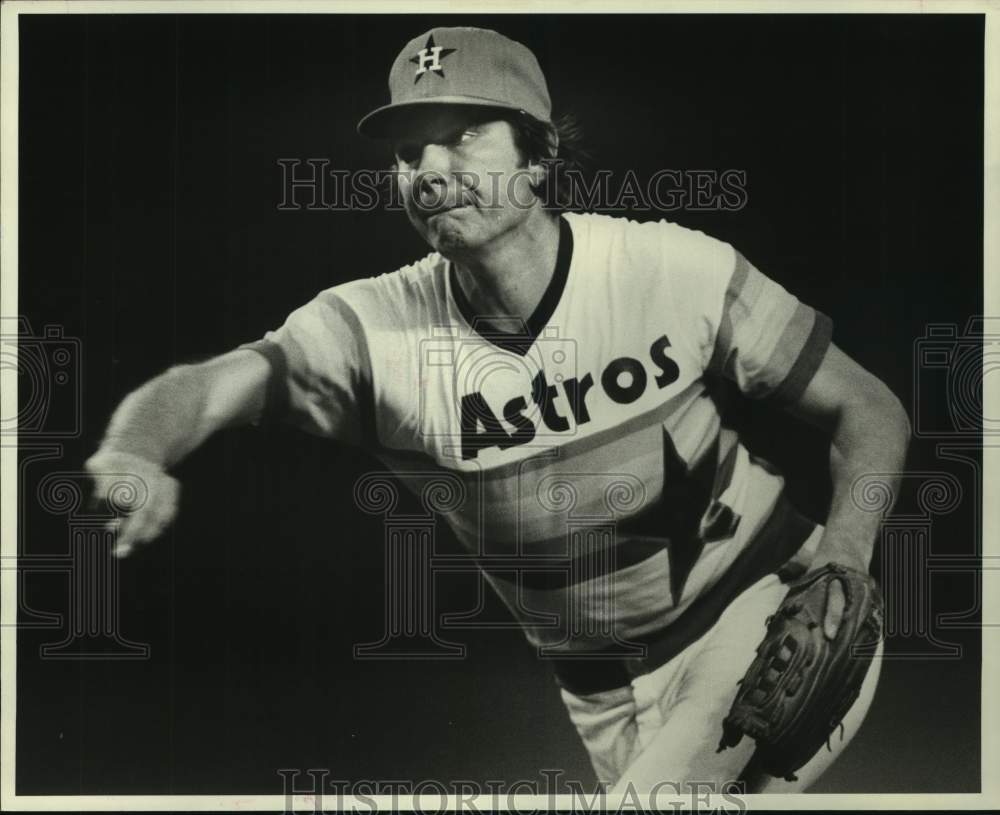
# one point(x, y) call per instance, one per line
point(136, 527)
point(143, 525)
point(125, 541)
point(152, 519)
point(97, 501)
point(162, 508)
point(166, 507)
point(114, 526)
point(121, 550)
point(114, 494)
point(155, 522)
point(835, 603)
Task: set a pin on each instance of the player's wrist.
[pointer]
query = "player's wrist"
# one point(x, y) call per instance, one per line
point(838, 551)
point(110, 456)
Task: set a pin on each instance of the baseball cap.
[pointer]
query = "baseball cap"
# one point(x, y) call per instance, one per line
point(460, 66)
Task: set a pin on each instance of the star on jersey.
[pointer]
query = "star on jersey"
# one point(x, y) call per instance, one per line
point(429, 58)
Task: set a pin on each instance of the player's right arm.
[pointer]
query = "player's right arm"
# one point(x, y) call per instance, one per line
point(163, 421)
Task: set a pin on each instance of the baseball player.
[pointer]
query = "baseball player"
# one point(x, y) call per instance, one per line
point(562, 367)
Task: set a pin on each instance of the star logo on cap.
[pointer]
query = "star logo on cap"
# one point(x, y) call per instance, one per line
point(429, 58)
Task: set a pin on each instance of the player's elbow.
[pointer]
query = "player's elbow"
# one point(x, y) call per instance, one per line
point(880, 415)
point(891, 414)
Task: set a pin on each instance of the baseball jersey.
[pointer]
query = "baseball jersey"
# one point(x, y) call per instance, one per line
point(579, 456)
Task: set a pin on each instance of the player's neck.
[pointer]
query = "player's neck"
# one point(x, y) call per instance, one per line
point(509, 278)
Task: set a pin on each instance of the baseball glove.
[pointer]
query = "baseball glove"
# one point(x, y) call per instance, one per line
point(801, 683)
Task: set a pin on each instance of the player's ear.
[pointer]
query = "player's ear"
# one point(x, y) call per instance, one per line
point(538, 172)
point(540, 166)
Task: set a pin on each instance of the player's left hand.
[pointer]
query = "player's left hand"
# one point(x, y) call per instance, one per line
point(802, 682)
point(146, 500)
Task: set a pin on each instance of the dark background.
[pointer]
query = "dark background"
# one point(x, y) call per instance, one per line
point(149, 230)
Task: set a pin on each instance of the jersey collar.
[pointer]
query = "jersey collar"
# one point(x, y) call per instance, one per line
point(521, 341)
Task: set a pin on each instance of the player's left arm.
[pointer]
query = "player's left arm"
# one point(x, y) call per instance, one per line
point(869, 433)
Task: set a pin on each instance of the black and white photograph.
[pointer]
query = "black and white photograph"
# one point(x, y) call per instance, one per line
point(460, 408)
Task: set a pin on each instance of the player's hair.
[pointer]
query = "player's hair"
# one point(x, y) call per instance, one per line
point(559, 148)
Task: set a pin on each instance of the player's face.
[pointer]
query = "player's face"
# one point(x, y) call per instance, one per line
point(462, 179)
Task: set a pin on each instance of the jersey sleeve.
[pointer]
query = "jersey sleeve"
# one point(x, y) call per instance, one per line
point(738, 322)
point(766, 340)
point(320, 370)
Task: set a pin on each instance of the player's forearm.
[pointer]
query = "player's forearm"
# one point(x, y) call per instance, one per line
point(165, 419)
point(870, 437)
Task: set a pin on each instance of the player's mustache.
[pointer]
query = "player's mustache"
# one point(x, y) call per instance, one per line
point(432, 194)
